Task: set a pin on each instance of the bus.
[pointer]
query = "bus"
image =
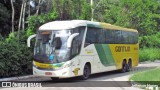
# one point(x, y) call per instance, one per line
point(73, 48)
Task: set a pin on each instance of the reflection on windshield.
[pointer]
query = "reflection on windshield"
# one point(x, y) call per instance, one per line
point(52, 45)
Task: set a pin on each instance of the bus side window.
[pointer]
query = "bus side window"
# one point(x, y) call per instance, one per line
point(74, 47)
point(77, 41)
point(91, 36)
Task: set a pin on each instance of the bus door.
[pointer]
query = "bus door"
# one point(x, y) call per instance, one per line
point(74, 53)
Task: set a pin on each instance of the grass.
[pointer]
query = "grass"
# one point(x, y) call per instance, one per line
point(149, 54)
point(147, 77)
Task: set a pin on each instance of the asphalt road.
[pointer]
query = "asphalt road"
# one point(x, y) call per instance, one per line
point(114, 80)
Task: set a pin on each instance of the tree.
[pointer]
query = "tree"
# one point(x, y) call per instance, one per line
point(20, 18)
point(38, 7)
point(23, 19)
point(13, 13)
point(4, 18)
point(72, 9)
point(12, 6)
point(142, 15)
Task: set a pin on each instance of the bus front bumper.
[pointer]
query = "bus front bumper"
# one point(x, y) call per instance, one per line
point(61, 73)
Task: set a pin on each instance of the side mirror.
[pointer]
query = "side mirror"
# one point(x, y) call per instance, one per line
point(29, 40)
point(70, 39)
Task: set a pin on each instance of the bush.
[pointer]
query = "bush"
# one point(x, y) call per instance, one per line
point(15, 56)
point(150, 41)
point(150, 54)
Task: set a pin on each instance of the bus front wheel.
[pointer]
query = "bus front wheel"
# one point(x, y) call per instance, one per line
point(86, 72)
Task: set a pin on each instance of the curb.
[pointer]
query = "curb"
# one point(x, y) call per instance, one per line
point(17, 78)
point(145, 62)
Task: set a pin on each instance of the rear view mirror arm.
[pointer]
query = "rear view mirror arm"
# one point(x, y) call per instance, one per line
point(29, 40)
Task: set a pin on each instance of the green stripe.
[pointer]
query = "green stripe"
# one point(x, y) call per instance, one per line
point(104, 54)
point(108, 54)
point(101, 54)
point(57, 64)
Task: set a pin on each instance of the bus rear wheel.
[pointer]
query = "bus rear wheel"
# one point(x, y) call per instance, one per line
point(129, 66)
point(124, 66)
point(86, 72)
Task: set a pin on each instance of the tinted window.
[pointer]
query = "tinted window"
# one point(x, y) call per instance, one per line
point(91, 36)
point(105, 36)
point(77, 41)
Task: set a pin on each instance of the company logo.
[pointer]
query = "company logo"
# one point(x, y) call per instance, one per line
point(20, 84)
point(122, 48)
point(6, 84)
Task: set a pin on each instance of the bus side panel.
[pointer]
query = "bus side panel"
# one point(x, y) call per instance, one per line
point(88, 55)
point(92, 55)
point(124, 51)
point(107, 57)
point(114, 54)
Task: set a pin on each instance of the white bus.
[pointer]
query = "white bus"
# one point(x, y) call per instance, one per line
point(79, 48)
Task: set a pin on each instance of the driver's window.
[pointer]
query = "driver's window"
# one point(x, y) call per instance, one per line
point(74, 49)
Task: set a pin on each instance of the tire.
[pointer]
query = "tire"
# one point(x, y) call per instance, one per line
point(86, 72)
point(124, 66)
point(129, 66)
point(54, 78)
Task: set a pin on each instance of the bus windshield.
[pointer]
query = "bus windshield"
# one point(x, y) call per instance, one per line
point(51, 46)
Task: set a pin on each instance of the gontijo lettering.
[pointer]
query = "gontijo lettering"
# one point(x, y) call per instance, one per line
point(122, 48)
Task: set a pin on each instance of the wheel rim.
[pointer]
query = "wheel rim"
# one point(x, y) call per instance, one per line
point(86, 72)
point(124, 67)
point(130, 66)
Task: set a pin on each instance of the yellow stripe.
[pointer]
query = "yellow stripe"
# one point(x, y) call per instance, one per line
point(42, 65)
point(113, 27)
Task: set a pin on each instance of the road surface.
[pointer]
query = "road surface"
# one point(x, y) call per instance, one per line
point(93, 83)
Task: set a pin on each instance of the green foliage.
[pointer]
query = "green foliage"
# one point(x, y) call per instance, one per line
point(10, 37)
point(72, 9)
point(150, 41)
point(85, 12)
point(143, 15)
point(151, 54)
point(35, 21)
point(15, 56)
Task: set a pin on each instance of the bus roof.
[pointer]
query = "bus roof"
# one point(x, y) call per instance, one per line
point(113, 27)
point(61, 25)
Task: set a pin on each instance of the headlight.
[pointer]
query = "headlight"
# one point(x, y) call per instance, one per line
point(33, 63)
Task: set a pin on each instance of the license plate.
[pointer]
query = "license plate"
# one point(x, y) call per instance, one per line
point(48, 73)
